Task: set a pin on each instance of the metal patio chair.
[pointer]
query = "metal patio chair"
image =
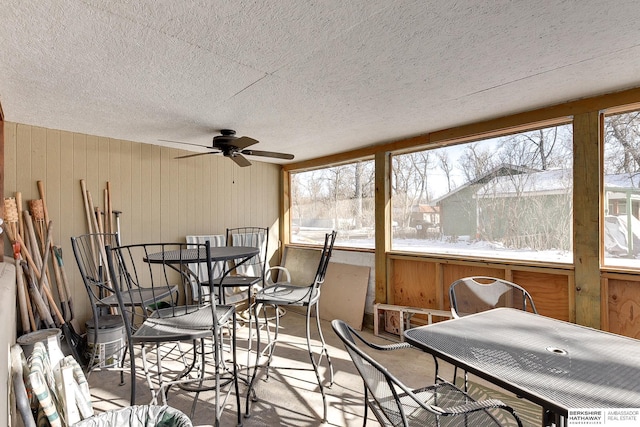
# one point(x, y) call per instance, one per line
point(280, 295)
point(218, 267)
point(395, 404)
point(245, 275)
point(163, 323)
point(480, 293)
point(90, 256)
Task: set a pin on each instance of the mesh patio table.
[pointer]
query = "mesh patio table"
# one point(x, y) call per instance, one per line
point(189, 256)
point(552, 363)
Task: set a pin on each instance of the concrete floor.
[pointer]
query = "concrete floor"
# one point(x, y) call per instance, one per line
point(291, 397)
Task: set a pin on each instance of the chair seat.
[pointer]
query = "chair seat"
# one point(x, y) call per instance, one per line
point(181, 323)
point(139, 297)
point(443, 395)
point(286, 294)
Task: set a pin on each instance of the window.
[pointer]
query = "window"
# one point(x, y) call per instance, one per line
point(622, 189)
point(335, 198)
point(508, 197)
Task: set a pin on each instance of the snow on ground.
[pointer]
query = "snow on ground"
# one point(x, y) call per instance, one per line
point(462, 247)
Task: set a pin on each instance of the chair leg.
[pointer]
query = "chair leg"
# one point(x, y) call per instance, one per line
point(271, 344)
point(202, 373)
point(235, 369)
point(250, 389)
point(132, 374)
point(324, 345)
point(366, 406)
point(124, 356)
point(314, 364)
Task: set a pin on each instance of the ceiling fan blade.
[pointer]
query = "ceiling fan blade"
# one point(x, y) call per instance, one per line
point(195, 155)
point(268, 154)
point(184, 143)
point(240, 160)
point(243, 142)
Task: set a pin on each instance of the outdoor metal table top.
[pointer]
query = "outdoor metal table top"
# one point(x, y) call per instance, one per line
point(555, 364)
point(221, 253)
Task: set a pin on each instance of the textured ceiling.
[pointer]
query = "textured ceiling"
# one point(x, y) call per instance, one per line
point(306, 77)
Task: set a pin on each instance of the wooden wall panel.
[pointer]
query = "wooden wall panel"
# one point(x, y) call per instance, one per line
point(550, 292)
point(624, 307)
point(423, 282)
point(414, 284)
point(160, 198)
point(10, 154)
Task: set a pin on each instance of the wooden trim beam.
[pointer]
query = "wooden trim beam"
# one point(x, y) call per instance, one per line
point(587, 185)
point(382, 224)
point(285, 209)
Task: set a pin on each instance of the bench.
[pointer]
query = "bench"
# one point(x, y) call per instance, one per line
point(404, 316)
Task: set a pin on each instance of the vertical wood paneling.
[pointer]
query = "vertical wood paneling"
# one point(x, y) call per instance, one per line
point(10, 154)
point(199, 203)
point(123, 188)
point(70, 208)
point(52, 181)
point(425, 283)
point(414, 284)
point(624, 307)
point(24, 182)
point(38, 159)
point(550, 292)
point(160, 198)
point(104, 164)
point(148, 221)
point(92, 168)
point(153, 211)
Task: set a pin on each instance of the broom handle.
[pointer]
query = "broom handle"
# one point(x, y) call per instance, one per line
point(100, 239)
point(57, 252)
point(22, 299)
point(37, 299)
point(87, 209)
point(35, 252)
point(109, 208)
point(42, 282)
point(63, 289)
point(19, 208)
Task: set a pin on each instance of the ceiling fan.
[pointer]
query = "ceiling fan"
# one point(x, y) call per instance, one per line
point(235, 148)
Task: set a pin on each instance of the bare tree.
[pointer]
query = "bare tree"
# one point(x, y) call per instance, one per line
point(622, 143)
point(421, 161)
point(476, 161)
point(446, 166)
point(538, 149)
point(405, 190)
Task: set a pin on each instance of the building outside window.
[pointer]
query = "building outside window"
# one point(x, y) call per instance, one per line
point(622, 190)
point(508, 197)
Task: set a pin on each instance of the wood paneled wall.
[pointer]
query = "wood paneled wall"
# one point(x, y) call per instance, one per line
point(161, 199)
point(424, 282)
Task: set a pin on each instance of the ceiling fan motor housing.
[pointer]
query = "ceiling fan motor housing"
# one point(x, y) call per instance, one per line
point(228, 135)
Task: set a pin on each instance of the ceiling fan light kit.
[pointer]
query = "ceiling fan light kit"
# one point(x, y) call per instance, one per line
point(234, 148)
